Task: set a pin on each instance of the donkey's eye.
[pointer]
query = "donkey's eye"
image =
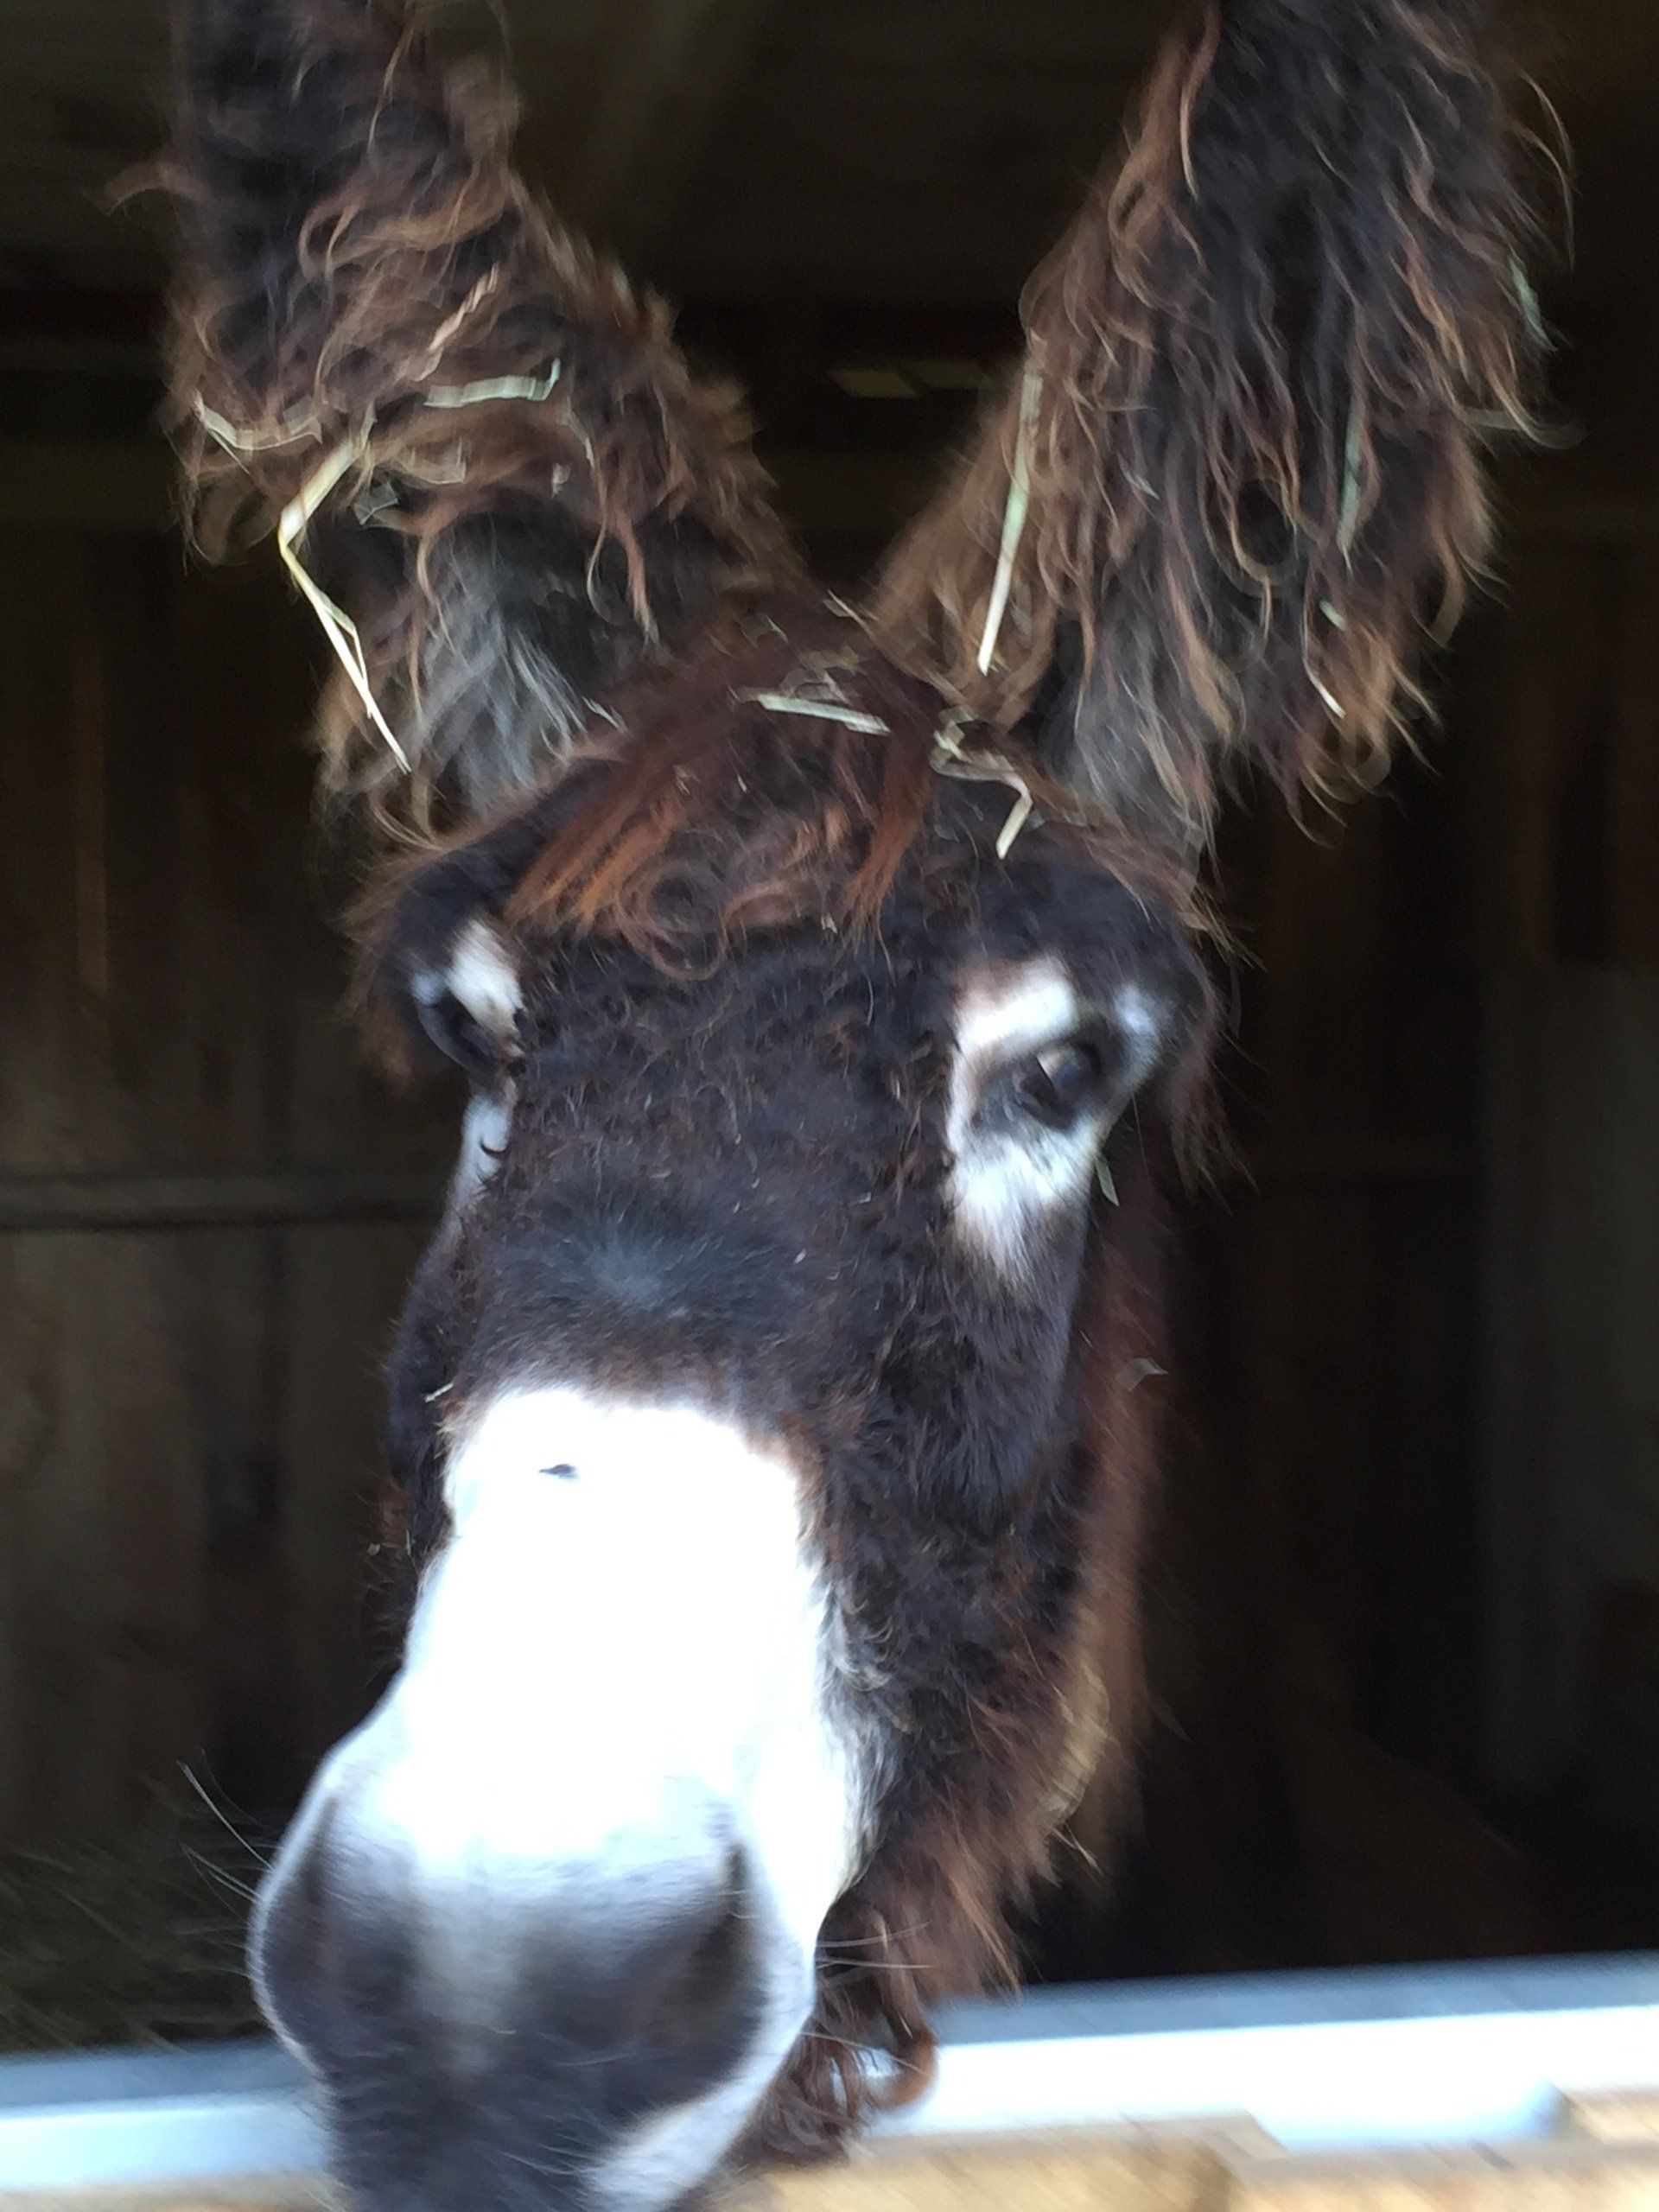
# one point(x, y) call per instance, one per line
point(459, 1034)
point(1061, 1081)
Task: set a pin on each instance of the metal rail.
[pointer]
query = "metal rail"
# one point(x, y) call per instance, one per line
point(1392, 2058)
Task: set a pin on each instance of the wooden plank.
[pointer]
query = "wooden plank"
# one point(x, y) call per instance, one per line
point(1540, 692)
point(1571, 1395)
point(1631, 2116)
point(268, 1197)
point(1549, 2177)
point(1033, 2175)
point(1633, 799)
point(1128, 2170)
point(101, 1500)
point(88, 486)
point(41, 1064)
point(172, 1068)
point(341, 1291)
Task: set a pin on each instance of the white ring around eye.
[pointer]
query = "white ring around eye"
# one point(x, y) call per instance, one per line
point(1010, 1178)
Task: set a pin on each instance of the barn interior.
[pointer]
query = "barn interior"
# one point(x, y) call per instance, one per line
point(1405, 1591)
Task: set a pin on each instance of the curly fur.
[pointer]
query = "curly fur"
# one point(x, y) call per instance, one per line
point(1241, 460)
point(984, 1462)
point(1261, 371)
point(357, 242)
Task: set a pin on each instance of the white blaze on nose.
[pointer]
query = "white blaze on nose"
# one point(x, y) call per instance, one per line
point(620, 1668)
point(624, 1630)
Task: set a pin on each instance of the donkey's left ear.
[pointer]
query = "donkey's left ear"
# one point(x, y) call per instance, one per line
point(491, 473)
point(1241, 460)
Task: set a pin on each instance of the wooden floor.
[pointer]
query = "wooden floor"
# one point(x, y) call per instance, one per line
point(1603, 2158)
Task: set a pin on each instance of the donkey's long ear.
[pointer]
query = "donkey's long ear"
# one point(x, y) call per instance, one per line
point(493, 473)
point(1241, 460)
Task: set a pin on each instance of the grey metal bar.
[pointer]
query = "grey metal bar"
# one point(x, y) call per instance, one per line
point(1415, 2057)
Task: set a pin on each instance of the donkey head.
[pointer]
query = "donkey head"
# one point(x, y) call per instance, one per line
point(771, 1416)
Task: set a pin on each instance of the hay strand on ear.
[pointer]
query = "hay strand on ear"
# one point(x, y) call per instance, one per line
point(534, 389)
point(338, 626)
point(1260, 371)
point(356, 452)
point(1014, 521)
point(571, 498)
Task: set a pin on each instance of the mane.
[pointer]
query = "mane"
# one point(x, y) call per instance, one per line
point(718, 811)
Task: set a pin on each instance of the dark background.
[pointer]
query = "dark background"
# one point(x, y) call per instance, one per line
point(1405, 1594)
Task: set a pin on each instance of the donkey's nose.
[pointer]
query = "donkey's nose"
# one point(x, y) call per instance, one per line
point(646, 1985)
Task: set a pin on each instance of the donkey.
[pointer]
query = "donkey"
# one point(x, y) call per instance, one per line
point(774, 1416)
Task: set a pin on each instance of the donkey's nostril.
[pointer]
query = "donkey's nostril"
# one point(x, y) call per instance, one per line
point(323, 1946)
point(699, 1993)
point(655, 1984)
point(487, 2030)
point(678, 1983)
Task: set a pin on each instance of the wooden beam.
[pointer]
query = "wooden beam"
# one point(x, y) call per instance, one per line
point(42, 1204)
point(1629, 2116)
point(1552, 2175)
point(1123, 2170)
point(668, 69)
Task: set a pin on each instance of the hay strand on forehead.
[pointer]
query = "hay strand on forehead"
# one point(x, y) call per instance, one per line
point(711, 819)
point(822, 710)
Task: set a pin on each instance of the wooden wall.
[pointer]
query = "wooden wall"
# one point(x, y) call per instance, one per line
point(205, 1207)
point(1569, 1468)
point(1416, 1314)
point(1410, 1596)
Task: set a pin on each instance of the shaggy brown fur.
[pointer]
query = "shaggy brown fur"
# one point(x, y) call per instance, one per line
point(1008, 1654)
point(1239, 461)
point(524, 556)
point(1238, 464)
point(928, 1919)
point(1260, 370)
point(667, 846)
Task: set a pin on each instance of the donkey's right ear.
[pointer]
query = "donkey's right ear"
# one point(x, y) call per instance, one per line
point(1242, 458)
point(491, 473)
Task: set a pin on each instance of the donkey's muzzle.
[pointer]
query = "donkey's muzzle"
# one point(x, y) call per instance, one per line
point(500, 2026)
point(558, 1899)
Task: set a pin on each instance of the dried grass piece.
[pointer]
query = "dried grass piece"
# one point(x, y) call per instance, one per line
point(135, 1941)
